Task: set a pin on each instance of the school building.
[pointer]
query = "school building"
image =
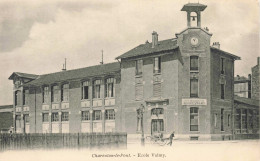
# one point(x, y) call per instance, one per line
point(184, 84)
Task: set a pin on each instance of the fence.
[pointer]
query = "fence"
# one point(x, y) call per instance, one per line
point(69, 140)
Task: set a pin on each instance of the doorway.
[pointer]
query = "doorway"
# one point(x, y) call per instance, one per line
point(157, 126)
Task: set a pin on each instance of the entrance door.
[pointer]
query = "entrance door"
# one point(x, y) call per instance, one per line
point(157, 126)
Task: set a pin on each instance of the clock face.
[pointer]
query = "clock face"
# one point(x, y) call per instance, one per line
point(194, 41)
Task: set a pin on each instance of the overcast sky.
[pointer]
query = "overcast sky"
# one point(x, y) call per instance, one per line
point(35, 36)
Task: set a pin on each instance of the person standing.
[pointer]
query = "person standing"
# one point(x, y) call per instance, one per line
point(171, 137)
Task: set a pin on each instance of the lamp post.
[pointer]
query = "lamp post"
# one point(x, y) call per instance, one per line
point(140, 116)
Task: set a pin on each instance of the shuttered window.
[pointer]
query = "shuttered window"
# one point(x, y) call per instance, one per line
point(157, 90)
point(138, 91)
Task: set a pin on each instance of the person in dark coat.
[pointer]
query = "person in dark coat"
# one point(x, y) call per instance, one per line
point(171, 137)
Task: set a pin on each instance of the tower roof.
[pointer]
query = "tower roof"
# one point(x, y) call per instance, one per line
point(193, 7)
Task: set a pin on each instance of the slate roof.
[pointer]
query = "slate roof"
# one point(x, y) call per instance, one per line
point(23, 75)
point(80, 73)
point(143, 49)
point(227, 53)
point(247, 101)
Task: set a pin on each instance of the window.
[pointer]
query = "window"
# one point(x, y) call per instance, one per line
point(26, 118)
point(65, 92)
point(157, 111)
point(228, 120)
point(18, 121)
point(194, 119)
point(244, 120)
point(222, 86)
point(45, 117)
point(138, 67)
point(194, 63)
point(84, 90)
point(85, 115)
point(45, 94)
point(157, 89)
point(110, 114)
point(109, 87)
point(157, 125)
point(157, 65)
point(65, 116)
point(222, 66)
point(15, 98)
point(55, 93)
point(194, 90)
point(96, 89)
point(222, 119)
point(97, 115)
point(55, 117)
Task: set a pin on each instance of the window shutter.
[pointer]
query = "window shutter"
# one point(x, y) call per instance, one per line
point(139, 92)
point(157, 90)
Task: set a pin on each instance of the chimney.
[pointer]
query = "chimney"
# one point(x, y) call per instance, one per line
point(154, 39)
point(249, 76)
point(216, 45)
point(258, 60)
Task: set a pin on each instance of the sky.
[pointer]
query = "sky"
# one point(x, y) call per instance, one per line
point(36, 36)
